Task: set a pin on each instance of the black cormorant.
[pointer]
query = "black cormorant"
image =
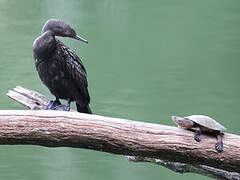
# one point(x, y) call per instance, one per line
point(59, 68)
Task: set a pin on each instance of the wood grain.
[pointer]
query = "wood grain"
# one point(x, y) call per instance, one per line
point(118, 136)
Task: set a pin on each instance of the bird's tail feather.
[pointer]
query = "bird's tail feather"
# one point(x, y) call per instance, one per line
point(83, 108)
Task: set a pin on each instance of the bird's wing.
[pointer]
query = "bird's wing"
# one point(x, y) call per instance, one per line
point(76, 70)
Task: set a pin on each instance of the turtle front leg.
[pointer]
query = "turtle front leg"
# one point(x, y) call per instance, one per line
point(198, 134)
point(219, 144)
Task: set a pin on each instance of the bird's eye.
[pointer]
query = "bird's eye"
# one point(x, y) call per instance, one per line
point(73, 33)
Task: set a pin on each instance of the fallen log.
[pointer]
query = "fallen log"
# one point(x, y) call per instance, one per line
point(189, 168)
point(113, 135)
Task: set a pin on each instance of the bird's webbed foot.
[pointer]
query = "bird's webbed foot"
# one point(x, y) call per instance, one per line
point(62, 107)
point(52, 104)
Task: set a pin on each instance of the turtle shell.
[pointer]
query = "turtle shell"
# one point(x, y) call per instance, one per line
point(206, 122)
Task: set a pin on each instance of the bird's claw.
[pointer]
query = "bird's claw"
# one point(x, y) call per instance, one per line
point(62, 108)
point(52, 104)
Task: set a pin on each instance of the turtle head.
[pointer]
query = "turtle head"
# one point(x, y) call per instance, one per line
point(182, 122)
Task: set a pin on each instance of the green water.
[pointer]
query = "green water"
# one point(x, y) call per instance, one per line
point(146, 61)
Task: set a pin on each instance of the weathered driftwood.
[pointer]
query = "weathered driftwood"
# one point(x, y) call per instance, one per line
point(30, 99)
point(119, 136)
point(188, 168)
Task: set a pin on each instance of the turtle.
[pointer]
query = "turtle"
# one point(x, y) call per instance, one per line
point(201, 123)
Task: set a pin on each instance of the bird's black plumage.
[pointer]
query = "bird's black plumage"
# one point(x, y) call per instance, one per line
point(59, 68)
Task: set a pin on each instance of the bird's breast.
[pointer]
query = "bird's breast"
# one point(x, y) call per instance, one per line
point(50, 73)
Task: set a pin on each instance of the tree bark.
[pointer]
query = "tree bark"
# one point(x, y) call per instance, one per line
point(189, 168)
point(113, 135)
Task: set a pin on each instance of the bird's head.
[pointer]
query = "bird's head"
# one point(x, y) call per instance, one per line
point(59, 28)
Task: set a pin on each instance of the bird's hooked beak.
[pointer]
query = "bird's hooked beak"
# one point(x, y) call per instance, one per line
point(81, 39)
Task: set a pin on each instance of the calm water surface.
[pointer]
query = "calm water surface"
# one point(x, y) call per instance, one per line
point(146, 61)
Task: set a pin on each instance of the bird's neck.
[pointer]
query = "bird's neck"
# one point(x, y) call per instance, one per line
point(44, 45)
